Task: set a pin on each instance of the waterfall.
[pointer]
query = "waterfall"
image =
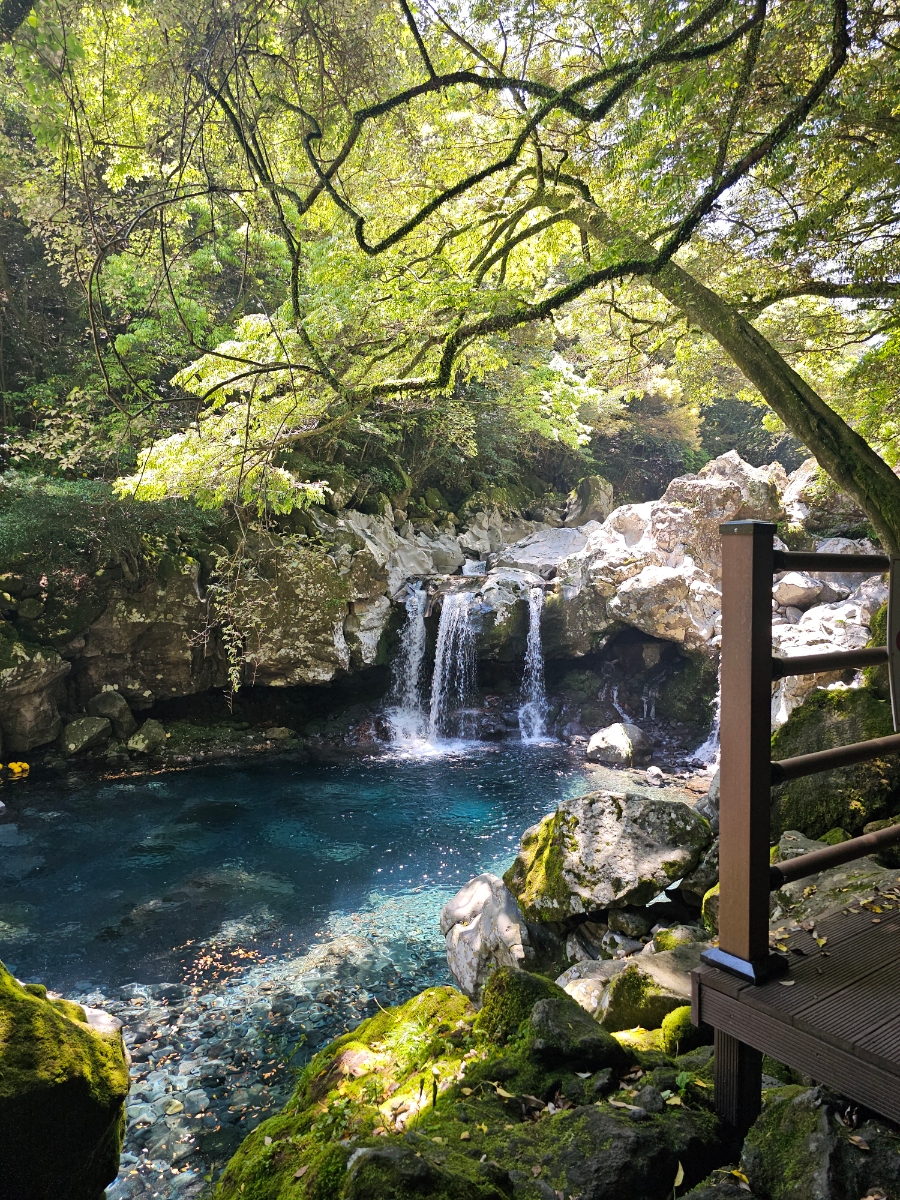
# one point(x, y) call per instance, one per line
point(406, 714)
point(708, 753)
point(533, 709)
point(454, 661)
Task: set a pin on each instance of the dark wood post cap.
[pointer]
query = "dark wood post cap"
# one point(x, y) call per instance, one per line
point(748, 528)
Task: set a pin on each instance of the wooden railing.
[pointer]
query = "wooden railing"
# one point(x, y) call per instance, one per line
point(747, 774)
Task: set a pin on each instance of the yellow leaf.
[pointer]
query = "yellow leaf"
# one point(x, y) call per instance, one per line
point(674, 1100)
point(465, 1136)
point(679, 1176)
point(483, 1128)
point(505, 1095)
point(820, 941)
point(439, 1140)
point(466, 1091)
point(741, 1176)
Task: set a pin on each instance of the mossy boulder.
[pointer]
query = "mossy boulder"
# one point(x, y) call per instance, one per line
point(62, 1098)
point(649, 988)
point(605, 850)
point(430, 1099)
point(849, 797)
point(797, 1149)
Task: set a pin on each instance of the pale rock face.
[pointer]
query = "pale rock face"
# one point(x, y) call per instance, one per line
point(605, 850)
point(843, 625)
point(620, 744)
point(650, 987)
point(811, 500)
point(679, 604)
point(541, 552)
point(484, 929)
point(592, 500)
point(797, 590)
point(363, 629)
point(587, 980)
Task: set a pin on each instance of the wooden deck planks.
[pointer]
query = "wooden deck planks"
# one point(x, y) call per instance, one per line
point(836, 1014)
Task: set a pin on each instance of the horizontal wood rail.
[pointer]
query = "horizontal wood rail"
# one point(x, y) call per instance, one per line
point(836, 660)
point(830, 760)
point(832, 856)
point(844, 564)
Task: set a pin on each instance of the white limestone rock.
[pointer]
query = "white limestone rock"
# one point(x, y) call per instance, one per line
point(484, 928)
point(797, 590)
point(620, 744)
point(605, 850)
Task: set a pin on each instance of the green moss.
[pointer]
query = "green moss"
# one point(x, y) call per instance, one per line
point(687, 695)
point(847, 798)
point(680, 1035)
point(710, 909)
point(834, 837)
point(509, 997)
point(536, 877)
point(419, 1102)
point(62, 1086)
point(781, 1151)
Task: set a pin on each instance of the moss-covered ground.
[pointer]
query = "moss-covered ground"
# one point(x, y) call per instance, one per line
point(62, 1095)
point(528, 1097)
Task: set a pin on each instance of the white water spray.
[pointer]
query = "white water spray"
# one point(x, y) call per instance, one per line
point(533, 711)
point(407, 714)
point(454, 662)
point(708, 753)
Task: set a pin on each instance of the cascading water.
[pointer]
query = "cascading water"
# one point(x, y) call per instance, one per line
point(407, 714)
point(708, 753)
point(454, 663)
point(533, 711)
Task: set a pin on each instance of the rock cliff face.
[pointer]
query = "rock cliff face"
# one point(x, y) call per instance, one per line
point(313, 606)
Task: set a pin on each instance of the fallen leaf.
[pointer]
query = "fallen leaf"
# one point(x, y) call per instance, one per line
point(787, 982)
point(298, 1174)
point(740, 1176)
point(860, 1143)
point(439, 1140)
point(465, 1136)
point(504, 1094)
point(679, 1176)
point(509, 1126)
point(175, 1107)
point(876, 920)
point(583, 1074)
point(536, 1170)
point(267, 1141)
point(466, 1091)
point(483, 1128)
point(674, 1100)
point(820, 941)
point(781, 946)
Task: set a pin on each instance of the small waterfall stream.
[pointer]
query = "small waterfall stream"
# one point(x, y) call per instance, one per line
point(533, 710)
point(708, 753)
point(407, 713)
point(454, 663)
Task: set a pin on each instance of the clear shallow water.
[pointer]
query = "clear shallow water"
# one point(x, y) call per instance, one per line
point(195, 876)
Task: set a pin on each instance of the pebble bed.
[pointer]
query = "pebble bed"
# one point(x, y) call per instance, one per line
point(209, 1063)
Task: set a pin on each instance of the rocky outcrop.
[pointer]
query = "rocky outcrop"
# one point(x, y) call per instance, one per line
point(440, 1102)
point(63, 1083)
point(31, 689)
point(604, 850)
point(484, 929)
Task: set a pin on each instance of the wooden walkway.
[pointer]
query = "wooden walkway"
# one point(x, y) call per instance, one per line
point(835, 1013)
point(831, 1011)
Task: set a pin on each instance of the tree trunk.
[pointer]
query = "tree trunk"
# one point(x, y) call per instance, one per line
point(840, 451)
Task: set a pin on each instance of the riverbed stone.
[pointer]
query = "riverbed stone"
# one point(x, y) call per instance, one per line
point(650, 987)
point(604, 850)
point(149, 739)
point(620, 744)
point(795, 589)
point(84, 734)
point(112, 704)
point(484, 929)
point(62, 1097)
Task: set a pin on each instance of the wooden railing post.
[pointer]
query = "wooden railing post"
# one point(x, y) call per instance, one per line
point(745, 772)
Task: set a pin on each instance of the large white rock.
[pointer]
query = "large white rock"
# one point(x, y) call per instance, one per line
point(484, 928)
point(592, 500)
point(843, 625)
point(605, 850)
point(620, 744)
point(541, 552)
point(797, 590)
